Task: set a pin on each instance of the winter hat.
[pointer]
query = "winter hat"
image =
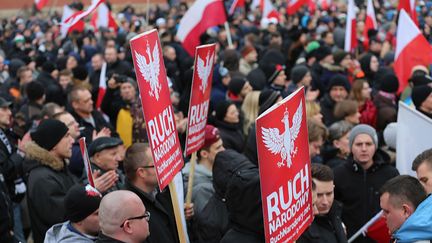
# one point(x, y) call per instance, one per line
point(80, 202)
point(103, 143)
point(339, 55)
point(49, 133)
point(272, 71)
point(390, 135)
point(236, 85)
point(363, 129)
point(419, 94)
point(365, 63)
point(14, 65)
point(221, 109)
point(35, 90)
point(266, 99)
point(322, 52)
point(298, 73)
point(246, 50)
point(418, 80)
point(48, 67)
point(211, 136)
point(313, 45)
point(339, 80)
point(389, 83)
point(80, 72)
point(257, 79)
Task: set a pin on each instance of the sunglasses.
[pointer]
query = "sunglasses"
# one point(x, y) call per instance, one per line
point(146, 215)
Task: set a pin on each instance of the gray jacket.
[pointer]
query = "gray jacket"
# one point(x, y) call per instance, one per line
point(202, 188)
point(65, 233)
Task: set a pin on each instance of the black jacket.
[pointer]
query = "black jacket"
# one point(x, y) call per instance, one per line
point(48, 181)
point(232, 135)
point(326, 228)
point(53, 90)
point(6, 214)
point(358, 190)
point(106, 239)
point(162, 225)
point(327, 109)
point(100, 123)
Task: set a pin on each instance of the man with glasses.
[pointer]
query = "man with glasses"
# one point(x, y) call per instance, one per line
point(141, 179)
point(123, 218)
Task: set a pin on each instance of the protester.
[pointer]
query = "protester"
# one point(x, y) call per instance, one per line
point(338, 90)
point(365, 172)
point(81, 209)
point(422, 165)
point(422, 99)
point(361, 92)
point(123, 218)
point(336, 151)
point(406, 208)
point(229, 125)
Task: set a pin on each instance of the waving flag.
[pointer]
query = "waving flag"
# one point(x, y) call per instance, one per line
point(294, 5)
point(409, 7)
point(370, 23)
point(40, 4)
point(266, 7)
point(412, 49)
point(103, 18)
point(350, 31)
point(74, 18)
point(236, 4)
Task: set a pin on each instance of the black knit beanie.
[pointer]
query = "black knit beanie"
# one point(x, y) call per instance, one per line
point(35, 91)
point(339, 80)
point(80, 202)
point(236, 85)
point(419, 94)
point(221, 109)
point(49, 133)
point(298, 73)
point(80, 72)
point(389, 83)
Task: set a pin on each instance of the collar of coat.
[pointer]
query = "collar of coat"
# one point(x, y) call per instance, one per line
point(41, 155)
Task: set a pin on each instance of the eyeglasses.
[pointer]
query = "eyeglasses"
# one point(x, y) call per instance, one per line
point(146, 216)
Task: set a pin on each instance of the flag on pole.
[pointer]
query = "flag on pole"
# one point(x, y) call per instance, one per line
point(266, 7)
point(294, 5)
point(370, 23)
point(40, 4)
point(350, 31)
point(414, 131)
point(103, 18)
point(68, 22)
point(201, 15)
point(412, 49)
point(86, 160)
point(102, 86)
point(375, 228)
point(409, 7)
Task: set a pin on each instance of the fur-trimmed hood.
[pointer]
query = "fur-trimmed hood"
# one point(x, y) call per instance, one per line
point(41, 156)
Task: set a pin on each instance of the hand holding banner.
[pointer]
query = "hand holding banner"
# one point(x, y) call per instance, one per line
point(284, 165)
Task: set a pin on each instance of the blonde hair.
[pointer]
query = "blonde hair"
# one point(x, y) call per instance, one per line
point(250, 108)
point(312, 108)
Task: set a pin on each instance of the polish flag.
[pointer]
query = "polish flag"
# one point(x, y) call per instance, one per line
point(86, 160)
point(236, 4)
point(102, 86)
point(201, 15)
point(103, 18)
point(409, 7)
point(412, 49)
point(370, 23)
point(350, 31)
point(68, 13)
point(73, 19)
point(294, 5)
point(267, 9)
point(376, 229)
point(40, 4)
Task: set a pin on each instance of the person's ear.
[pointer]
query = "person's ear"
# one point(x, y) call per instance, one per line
point(204, 153)
point(408, 210)
point(336, 143)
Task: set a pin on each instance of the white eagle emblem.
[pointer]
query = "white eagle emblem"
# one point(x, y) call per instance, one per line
point(150, 70)
point(283, 143)
point(204, 70)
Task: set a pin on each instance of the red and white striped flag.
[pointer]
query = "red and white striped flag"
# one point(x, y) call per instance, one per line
point(412, 49)
point(40, 4)
point(409, 7)
point(103, 18)
point(86, 160)
point(67, 14)
point(102, 86)
point(236, 4)
point(370, 23)
point(294, 5)
point(266, 7)
point(70, 21)
point(350, 31)
point(200, 16)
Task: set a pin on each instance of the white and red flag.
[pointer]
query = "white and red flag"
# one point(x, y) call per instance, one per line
point(71, 19)
point(40, 4)
point(350, 31)
point(409, 7)
point(266, 7)
point(370, 23)
point(236, 4)
point(157, 107)
point(86, 160)
point(412, 49)
point(284, 166)
point(200, 16)
point(103, 18)
point(102, 86)
point(294, 5)
point(200, 97)
point(376, 229)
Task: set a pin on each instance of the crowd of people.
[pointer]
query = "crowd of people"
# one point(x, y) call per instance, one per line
point(49, 88)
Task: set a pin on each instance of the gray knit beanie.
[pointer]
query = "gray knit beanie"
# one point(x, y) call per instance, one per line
point(363, 129)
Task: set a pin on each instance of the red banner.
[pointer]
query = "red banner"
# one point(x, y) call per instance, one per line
point(284, 164)
point(157, 107)
point(200, 97)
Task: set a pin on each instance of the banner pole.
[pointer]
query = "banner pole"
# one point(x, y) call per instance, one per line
point(191, 178)
point(227, 29)
point(177, 213)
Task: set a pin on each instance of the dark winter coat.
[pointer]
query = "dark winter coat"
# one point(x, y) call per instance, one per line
point(162, 225)
point(106, 239)
point(6, 213)
point(53, 90)
point(327, 110)
point(358, 190)
point(386, 111)
point(231, 134)
point(326, 228)
point(48, 181)
point(100, 123)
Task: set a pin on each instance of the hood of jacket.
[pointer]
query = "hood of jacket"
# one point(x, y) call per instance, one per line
point(37, 156)
point(202, 174)
point(418, 226)
point(61, 233)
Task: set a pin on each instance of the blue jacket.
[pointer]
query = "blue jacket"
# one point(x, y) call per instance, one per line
point(418, 226)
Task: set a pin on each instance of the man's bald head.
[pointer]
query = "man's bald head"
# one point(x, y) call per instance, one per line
point(115, 208)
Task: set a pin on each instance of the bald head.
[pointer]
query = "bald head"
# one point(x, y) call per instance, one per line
point(115, 216)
